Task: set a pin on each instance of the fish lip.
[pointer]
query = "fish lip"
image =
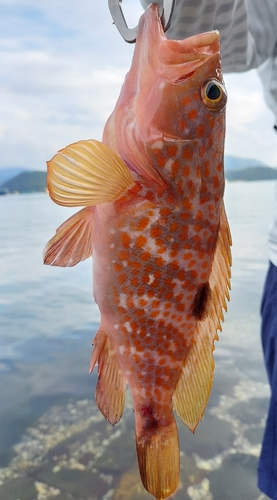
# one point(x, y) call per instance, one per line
point(181, 58)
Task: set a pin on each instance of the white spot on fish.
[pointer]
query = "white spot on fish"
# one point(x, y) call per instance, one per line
point(169, 164)
point(128, 327)
point(116, 327)
point(112, 245)
point(151, 278)
point(157, 145)
point(122, 300)
point(122, 349)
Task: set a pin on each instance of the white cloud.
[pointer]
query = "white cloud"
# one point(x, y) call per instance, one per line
point(249, 121)
point(62, 65)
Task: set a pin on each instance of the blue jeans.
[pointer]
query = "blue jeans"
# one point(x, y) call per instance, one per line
point(267, 469)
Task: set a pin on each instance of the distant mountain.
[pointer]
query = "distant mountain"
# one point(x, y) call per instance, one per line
point(235, 163)
point(21, 180)
point(252, 174)
point(27, 182)
point(8, 173)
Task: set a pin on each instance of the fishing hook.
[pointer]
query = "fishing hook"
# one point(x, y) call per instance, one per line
point(130, 34)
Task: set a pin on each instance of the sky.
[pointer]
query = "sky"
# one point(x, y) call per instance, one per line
point(62, 64)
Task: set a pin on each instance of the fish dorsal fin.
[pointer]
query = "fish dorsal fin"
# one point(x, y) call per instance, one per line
point(87, 173)
point(194, 385)
point(111, 386)
point(72, 241)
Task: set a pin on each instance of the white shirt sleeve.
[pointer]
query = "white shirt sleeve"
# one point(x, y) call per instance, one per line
point(248, 30)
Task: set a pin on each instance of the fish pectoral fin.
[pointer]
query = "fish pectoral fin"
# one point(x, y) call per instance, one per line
point(111, 386)
point(72, 241)
point(87, 173)
point(193, 389)
point(159, 459)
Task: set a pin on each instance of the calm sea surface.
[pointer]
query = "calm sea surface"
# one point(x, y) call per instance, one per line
point(47, 322)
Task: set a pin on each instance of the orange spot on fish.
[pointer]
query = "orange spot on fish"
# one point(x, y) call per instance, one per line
point(181, 275)
point(161, 160)
point(186, 171)
point(155, 231)
point(169, 295)
point(175, 167)
point(184, 216)
point(192, 114)
point(123, 255)
point(142, 302)
point(159, 262)
point(117, 267)
point(165, 211)
point(187, 153)
point(171, 150)
point(200, 130)
point(169, 283)
point(142, 224)
point(216, 181)
point(187, 204)
point(174, 226)
point(185, 101)
point(157, 274)
point(134, 281)
point(204, 198)
point(125, 239)
point(121, 278)
point(140, 241)
point(145, 279)
point(206, 169)
point(188, 256)
point(145, 256)
point(130, 302)
point(174, 265)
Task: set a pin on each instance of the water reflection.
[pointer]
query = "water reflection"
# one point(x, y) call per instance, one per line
point(53, 442)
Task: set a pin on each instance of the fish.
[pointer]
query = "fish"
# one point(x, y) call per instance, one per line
point(154, 221)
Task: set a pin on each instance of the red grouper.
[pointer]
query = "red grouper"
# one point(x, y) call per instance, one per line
point(155, 221)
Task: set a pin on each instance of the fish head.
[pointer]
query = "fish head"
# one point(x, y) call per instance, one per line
point(173, 94)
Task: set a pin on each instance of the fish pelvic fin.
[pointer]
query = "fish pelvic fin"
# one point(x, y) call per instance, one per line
point(193, 389)
point(72, 241)
point(111, 386)
point(159, 459)
point(87, 173)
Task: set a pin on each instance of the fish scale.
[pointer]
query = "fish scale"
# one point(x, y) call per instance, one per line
point(155, 222)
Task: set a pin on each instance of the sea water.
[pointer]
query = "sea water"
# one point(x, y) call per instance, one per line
point(47, 321)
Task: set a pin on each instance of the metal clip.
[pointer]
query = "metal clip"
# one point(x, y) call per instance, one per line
point(130, 34)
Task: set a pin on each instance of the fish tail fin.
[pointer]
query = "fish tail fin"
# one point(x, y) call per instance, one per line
point(159, 459)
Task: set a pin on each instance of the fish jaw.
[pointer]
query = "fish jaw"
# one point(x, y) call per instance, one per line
point(161, 96)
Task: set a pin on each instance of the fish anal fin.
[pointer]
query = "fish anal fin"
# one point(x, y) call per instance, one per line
point(159, 460)
point(87, 173)
point(193, 388)
point(72, 241)
point(110, 388)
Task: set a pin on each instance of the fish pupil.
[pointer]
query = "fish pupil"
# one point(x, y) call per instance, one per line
point(213, 91)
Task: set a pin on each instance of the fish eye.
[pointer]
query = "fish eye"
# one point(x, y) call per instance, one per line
point(214, 95)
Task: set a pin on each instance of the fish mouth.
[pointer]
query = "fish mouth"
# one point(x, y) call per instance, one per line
point(181, 58)
point(177, 59)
